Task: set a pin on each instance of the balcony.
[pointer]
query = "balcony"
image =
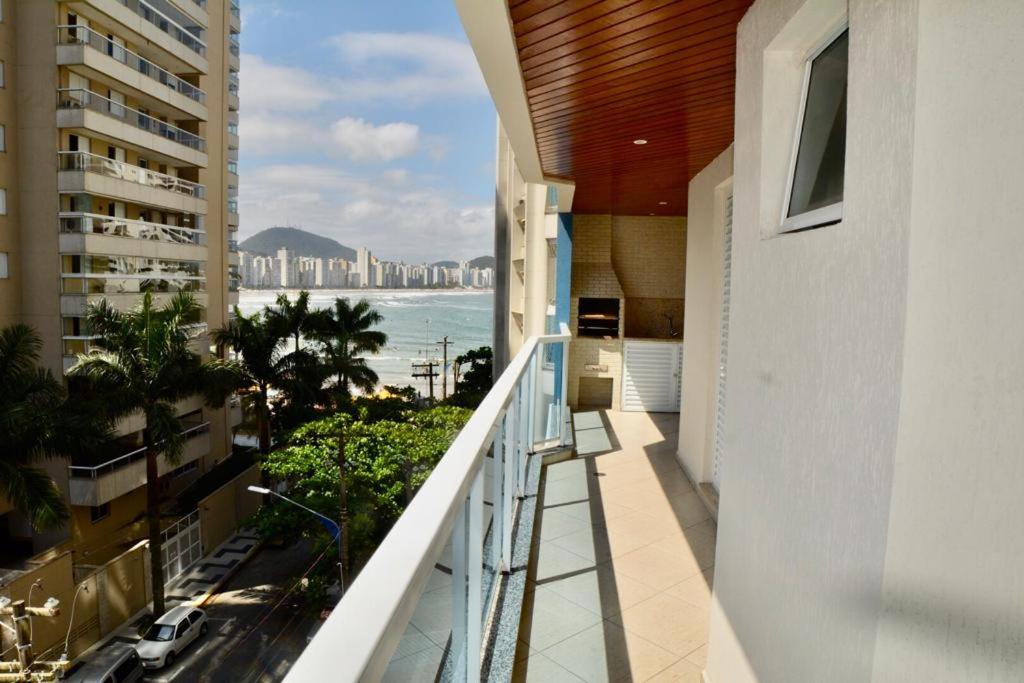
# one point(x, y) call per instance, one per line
point(169, 34)
point(81, 172)
point(95, 484)
point(94, 115)
point(120, 292)
point(84, 233)
point(423, 603)
point(100, 58)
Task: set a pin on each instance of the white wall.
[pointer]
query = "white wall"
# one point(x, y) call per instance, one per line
point(816, 339)
point(702, 323)
point(954, 572)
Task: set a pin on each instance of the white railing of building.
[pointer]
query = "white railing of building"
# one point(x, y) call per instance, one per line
point(96, 471)
point(98, 224)
point(83, 35)
point(77, 98)
point(160, 18)
point(111, 168)
point(357, 641)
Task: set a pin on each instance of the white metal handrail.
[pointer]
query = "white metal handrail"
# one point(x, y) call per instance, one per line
point(166, 24)
point(94, 471)
point(94, 163)
point(79, 98)
point(98, 224)
point(371, 618)
point(73, 34)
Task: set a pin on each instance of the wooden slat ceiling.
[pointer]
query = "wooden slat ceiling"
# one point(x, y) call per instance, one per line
point(600, 74)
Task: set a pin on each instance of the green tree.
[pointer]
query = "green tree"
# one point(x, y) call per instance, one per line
point(39, 422)
point(144, 363)
point(344, 333)
point(472, 383)
point(291, 319)
point(384, 463)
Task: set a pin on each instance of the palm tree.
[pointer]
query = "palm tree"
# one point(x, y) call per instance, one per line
point(344, 334)
point(258, 340)
point(37, 422)
point(144, 363)
point(291, 319)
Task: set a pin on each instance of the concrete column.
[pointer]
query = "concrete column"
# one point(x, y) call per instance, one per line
point(536, 265)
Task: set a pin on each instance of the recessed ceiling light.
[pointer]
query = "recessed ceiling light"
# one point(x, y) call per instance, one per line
point(639, 141)
point(651, 214)
point(663, 203)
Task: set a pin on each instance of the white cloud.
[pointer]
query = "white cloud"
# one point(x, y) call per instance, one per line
point(407, 222)
point(362, 141)
point(272, 87)
point(407, 66)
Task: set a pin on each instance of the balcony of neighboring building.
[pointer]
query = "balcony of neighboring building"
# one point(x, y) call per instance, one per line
point(88, 233)
point(90, 114)
point(124, 292)
point(86, 173)
point(103, 59)
point(93, 482)
point(234, 16)
point(234, 51)
point(233, 135)
point(170, 36)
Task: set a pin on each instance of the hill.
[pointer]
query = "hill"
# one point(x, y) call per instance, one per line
point(482, 262)
point(300, 242)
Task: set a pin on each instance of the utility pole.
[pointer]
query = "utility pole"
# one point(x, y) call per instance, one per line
point(444, 367)
point(22, 670)
point(427, 370)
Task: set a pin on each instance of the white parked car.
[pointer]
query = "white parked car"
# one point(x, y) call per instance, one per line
point(169, 635)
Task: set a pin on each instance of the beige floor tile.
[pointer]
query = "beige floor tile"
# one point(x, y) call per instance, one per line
point(595, 510)
point(555, 522)
point(682, 671)
point(620, 536)
point(668, 622)
point(606, 652)
point(695, 590)
point(601, 591)
point(699, 657)
point(695, 542)
point(548, 618)
point(540, 669)
point(656, 567)
point(421, 666)
point(552, 561)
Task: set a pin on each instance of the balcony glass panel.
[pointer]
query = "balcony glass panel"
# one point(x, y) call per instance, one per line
point(81, 35)
point(68, 98)
point(171, 21)
point(94, 163)
point(133, 284)
point(96, 224)
point(90, 471)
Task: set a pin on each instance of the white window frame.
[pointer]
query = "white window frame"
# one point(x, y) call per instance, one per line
point(3, 137)
point(827, 214)
point(3, 201)
point(5, 269)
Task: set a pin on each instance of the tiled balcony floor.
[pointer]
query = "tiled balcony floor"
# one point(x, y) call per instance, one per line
point(619, 580)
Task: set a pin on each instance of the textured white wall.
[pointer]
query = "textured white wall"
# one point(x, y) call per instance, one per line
point(954, 573)
point(814, 359)
point(704, 261)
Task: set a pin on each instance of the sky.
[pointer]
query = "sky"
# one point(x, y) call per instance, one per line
point(367, 122)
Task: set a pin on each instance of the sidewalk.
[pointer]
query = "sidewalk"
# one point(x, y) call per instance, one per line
point(195, 587)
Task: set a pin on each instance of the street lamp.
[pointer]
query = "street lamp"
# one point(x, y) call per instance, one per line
point(341, 569)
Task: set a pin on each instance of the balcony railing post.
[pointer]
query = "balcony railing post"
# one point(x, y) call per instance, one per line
point(531, 400)
point(474, 608)
point(509, 479)
point(521, 424)
point(459, 621)
point(498, 497)
point(563, 399)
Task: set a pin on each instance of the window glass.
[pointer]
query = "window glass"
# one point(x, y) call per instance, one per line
point(3, 201)
point(821, 155)
point(181, 629)
point(3, 138)
point(159, 632)
point(124, 671)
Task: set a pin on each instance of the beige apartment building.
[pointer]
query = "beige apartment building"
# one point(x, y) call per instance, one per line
point(118, 175)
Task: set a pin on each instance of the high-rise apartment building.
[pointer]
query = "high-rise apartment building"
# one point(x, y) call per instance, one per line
point(118, 176)
point(363, 260)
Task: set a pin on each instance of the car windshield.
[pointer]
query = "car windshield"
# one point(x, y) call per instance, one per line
point(159, 633)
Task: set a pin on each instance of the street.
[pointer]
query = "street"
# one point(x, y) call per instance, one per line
point(254, 636)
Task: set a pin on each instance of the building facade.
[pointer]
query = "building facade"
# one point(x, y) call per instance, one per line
point(120, 132)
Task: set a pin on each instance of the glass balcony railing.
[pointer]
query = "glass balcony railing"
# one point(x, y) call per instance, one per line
point(82, 35)
point(75, 98)
point(233, 246)
point(96, 471)
point(233, 167)
point(232, 206)
point(97, 224)
point(234, 46)
point(171, 21)
point(159, 283)
point(233, 128)
point(235, 11)
point(111, 168)
point(464, 515)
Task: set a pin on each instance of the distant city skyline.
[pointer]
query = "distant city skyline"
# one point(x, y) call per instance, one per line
point(286, 270)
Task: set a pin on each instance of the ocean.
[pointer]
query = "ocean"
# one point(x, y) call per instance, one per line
point(413, 320)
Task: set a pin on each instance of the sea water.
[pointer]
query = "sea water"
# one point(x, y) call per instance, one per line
point(414, 321)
